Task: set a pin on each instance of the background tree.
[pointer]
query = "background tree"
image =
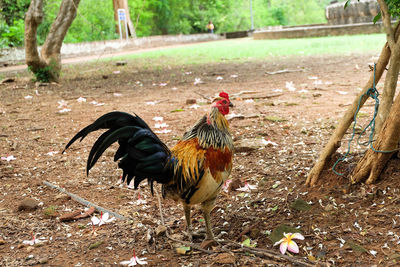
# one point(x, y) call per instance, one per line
point(123, 4)
point(47, 66)
point(387, 128)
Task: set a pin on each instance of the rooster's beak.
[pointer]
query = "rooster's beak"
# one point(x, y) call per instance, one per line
point(230, 104)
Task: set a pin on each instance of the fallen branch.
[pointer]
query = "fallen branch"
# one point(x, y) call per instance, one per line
point(269, 254)
point(84, 201)
point(244, 92)
point(261, 96)
point(282, 71)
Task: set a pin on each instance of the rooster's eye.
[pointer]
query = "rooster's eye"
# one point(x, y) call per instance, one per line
point(224, 102)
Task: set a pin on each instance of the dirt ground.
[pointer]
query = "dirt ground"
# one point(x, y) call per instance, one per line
point(345, 225)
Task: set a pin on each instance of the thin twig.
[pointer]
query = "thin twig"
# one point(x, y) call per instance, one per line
point(84, 201)
point(203, 96)
point(261, 96)
point(282, 71)
point(267, 253)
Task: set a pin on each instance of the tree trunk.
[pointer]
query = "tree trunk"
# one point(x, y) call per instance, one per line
point(123, 4)
point(335, 140)
point(387, 126)
point(48, 65)
point(389, 89)
point(33, 18)
point(372, 164)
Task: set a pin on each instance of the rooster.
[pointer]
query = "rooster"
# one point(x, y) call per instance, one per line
point(192, 172)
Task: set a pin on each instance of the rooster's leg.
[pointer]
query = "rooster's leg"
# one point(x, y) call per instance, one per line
point(207, 207)
point(188, 221)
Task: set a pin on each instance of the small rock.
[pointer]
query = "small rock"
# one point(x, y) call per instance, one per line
point(121, 63)
point(62, 197)
point(225, 258)
point(160, 230)
point(104, 77)
point(191, 101)
point(28, 204)
point(43, 260)
point(30, 249)
point(2, 242)
point(207, 244)
point(317, 95)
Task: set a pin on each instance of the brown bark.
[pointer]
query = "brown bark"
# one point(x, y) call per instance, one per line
point(123, 4)
point(335, 140)
point(33, 18)
point(372, 164)
point(348, 117)
point(389, 88)
point(49, 62)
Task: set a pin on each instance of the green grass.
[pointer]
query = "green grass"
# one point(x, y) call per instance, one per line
point(249, 49)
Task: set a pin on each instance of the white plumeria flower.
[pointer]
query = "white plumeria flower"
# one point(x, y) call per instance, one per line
point(194, 106)
point(104, 218)
point(234, 76)
point(290, 86)
point(163, 84)
point(33, 241)
point(158, 118)
point(117, 94)
point(28, 97)
point(277, 90)
point(197, 81)
point(152, 103)
point(160, 125)
point(140, 200)
point(288, 244)
point(268, 142)
point(219, 78)
point(247, 187)
point(51, 153)
point(249, 101)
point(9, 158)
point(317, 82)
point(303, 91)
point(134, 261)
point(164, 131)
point(62, 104)
point(342, 92)
point(64, 110)
point(226, 185)
point(81, 99)
point(96, 103)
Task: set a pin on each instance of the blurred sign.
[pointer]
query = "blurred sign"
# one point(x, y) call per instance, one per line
point(121, 14)
point(122, 17)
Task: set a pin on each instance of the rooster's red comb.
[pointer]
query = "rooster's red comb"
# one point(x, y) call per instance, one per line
point(224, 95)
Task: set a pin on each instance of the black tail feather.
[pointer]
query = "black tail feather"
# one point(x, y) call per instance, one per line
point(142, 154)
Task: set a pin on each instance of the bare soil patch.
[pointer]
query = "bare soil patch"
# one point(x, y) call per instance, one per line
point(299, 121)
